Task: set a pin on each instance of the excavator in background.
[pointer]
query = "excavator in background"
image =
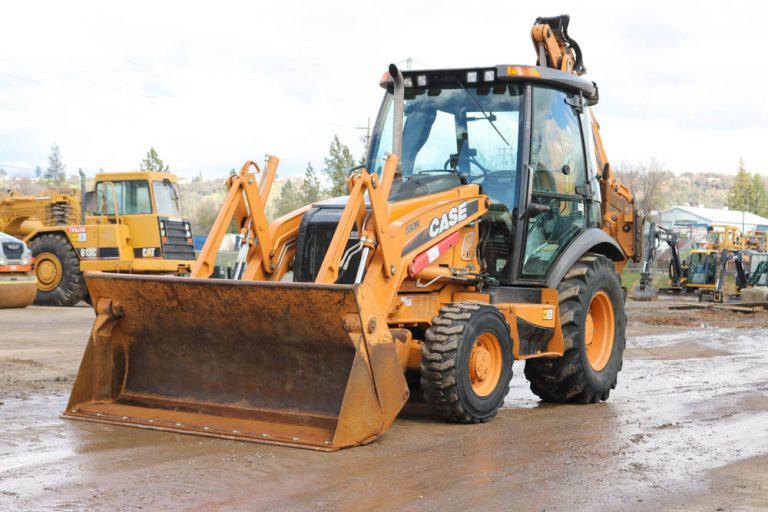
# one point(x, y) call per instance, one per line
point(706, 270)
point(702, 268)
point(487, 226)
point(645, 290)
point(703, 271)
point(750, 269)
point(130, 223)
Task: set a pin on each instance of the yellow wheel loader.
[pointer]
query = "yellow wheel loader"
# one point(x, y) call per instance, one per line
point(486, 227)
point(130, 223)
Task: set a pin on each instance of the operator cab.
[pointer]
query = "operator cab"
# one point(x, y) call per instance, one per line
point(523, 134)
point(702, 267)
point(134, 197)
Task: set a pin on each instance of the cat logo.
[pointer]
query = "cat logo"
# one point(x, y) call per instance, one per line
point(448, 220)
point(148, 252)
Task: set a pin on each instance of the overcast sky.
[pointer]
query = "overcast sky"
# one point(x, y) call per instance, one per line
point(211, 85)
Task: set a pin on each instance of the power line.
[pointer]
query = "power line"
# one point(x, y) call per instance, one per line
point(9, 166)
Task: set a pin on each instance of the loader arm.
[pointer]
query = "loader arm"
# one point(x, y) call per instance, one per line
point(245, 204)
point(555, 49)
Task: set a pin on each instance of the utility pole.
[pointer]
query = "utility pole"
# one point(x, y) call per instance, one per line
point(409, 63)
point(367, 137)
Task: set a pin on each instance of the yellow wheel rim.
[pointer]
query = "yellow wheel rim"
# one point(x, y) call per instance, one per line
point(485, 364)
point(599, 330)
point(49, 271)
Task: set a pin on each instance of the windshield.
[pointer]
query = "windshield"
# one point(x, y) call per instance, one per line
point(472, 132)
point(132, 197)
point(758, 267)
point(702, 268)
point(166, 197)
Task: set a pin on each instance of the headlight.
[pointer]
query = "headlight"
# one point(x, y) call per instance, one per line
point(25, 260)
point(3, 261)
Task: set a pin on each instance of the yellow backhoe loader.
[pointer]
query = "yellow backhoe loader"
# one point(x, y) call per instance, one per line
point(487, 226)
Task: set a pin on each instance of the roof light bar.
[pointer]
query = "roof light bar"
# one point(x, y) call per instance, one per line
point(523, 71)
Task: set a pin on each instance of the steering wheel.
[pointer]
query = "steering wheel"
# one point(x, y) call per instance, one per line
point(546, 221)
point(472, 160)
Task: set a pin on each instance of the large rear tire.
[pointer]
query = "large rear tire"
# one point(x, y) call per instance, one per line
point(59, 280)
point(593, 322)
point(466, 362)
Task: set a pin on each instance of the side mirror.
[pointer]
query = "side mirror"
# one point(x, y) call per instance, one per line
point(535, 209)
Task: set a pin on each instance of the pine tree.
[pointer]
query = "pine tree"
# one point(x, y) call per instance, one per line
point(38, 172)
point(311, 192)
point(759, 203)
point(152, 162)
point(337, 164)
point(741, 192)
point(55, 172)
point(288, 200)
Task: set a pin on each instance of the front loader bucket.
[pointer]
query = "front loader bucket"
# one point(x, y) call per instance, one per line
point(296, 364)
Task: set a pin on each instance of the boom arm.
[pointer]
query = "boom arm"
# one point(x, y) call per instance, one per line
point(556, 49)
point(649, 255)
point(245, 203)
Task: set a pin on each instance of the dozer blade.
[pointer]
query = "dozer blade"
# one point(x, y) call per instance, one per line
point(298, 364)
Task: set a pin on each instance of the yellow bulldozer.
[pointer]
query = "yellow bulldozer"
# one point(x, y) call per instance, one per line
point(130, 223)
point(487, 226)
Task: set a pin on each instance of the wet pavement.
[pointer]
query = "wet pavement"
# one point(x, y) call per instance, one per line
point(686, 429)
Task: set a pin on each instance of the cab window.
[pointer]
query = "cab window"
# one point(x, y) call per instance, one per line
point(166, 197)
point(558, 171)
point(132, 197)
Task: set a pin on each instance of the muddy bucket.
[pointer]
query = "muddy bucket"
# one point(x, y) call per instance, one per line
point(646, 294)
point(298, 364)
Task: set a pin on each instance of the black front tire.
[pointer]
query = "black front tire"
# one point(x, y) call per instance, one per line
point(446, 380)
point(571, 378)
point(71, 286)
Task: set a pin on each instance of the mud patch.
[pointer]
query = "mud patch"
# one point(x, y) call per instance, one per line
point(27, 362)
point(673, 352)
point(742, 485)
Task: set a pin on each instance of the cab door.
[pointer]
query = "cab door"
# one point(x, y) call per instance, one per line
point(557, 180)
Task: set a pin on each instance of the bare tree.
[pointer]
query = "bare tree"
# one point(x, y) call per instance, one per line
point(646, 180)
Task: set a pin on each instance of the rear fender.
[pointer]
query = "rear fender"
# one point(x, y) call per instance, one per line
point(592, 240)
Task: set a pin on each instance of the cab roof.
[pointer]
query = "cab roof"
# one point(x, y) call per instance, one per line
point(423, 79)
point(136, 175)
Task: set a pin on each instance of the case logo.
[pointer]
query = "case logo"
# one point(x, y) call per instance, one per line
point(447, 220)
